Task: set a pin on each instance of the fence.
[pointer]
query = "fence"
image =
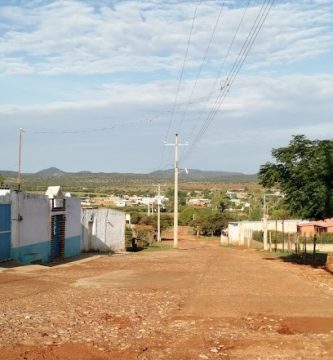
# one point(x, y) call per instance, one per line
point(292, 242)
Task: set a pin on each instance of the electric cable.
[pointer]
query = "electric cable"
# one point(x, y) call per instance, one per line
point(197, 2)
point(242, 56)
point(201, 67)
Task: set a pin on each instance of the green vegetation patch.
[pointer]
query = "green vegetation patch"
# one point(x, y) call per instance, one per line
point(158, 247)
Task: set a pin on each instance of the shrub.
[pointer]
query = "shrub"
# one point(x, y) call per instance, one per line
point(325, 238)
point(258, 235)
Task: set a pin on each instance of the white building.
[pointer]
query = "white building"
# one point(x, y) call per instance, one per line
point(103, 230)
point(39, 228)
point(240, 233)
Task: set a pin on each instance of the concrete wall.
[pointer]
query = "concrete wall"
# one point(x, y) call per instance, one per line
point(309, 247)
point(73, 227)
point(30, 227)
point(240, 233)
point(102, 230)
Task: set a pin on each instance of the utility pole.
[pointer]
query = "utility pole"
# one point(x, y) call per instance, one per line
point(158, 213)
point(265, 223)
point(148, 208)
point(19, 160)
point(159, 203)
point(175, 205)
point(175, 209)
point(265, 218)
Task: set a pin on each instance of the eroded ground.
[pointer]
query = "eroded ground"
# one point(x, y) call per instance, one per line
point(202, 301)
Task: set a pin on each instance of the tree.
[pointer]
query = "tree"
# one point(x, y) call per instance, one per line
point(166, 221)
point(220, 201)
point(255, 214)
point(209, 222)
point(2, 180)
point(304, 172)
point(280, 214)
point(187, 215)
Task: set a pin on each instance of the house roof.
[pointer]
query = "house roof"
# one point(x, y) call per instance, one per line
point(54, 192)
point(321, 223)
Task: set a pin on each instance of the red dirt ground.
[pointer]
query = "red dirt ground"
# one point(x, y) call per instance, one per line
point(202, 301)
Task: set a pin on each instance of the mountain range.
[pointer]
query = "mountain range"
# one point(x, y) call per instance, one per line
point(191, 175)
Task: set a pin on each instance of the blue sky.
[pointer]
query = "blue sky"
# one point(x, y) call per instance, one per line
point(80, 66)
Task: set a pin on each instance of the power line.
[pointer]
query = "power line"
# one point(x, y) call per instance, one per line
point(182, 69)
point(201, 66)
point(197, 2)
point(86, 131)
point(243, 54)
point(226, 57)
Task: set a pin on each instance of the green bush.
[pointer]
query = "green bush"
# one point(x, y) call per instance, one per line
point(166, 221)
point(277, 236)
point(325, 238)
point(258, 235)
point(128, 237)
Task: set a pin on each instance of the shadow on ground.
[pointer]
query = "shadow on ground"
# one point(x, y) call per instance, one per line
point(11, 264)
point(318, 260)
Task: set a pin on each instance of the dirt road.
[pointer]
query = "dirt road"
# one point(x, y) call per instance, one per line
point(202, 301)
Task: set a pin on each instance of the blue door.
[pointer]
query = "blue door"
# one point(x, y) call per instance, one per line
point(57, 235)
point(5, 215)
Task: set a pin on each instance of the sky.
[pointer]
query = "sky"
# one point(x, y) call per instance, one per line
point(105, 85)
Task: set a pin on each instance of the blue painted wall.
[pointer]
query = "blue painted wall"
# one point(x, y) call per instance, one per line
point(72, 246)
point(39, 252)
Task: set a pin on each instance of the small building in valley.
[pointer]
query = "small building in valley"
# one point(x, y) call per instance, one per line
point(308, 229)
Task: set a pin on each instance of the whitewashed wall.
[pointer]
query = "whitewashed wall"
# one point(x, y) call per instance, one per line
point(30, 227)
point(102, 230)
point(30, 214)
point(240, 232)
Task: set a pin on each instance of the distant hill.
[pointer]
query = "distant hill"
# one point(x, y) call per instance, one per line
point(52, 171)
point(201, 175)
point(7, 173)
point(87, 178)
point(192, 175)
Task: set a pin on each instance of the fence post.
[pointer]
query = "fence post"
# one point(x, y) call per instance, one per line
point(276, 235)
point(282, 235)
point(288, 242)
point(248, 238)
point(314, 249)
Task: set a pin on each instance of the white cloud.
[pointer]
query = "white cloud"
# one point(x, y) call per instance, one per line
point(76, 37)
point(126, 60)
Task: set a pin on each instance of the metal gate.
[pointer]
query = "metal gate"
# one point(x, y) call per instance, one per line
point(5, 231)
point(57, 236)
